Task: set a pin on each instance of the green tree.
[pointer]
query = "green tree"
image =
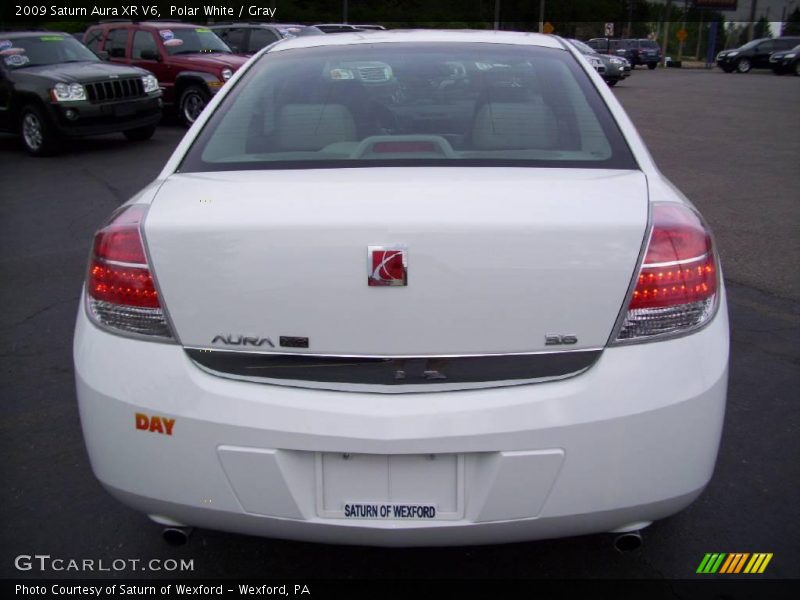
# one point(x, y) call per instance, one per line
point(762, 29)
point(792, 24)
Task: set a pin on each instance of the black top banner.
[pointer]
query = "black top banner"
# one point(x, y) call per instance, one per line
point(508, 14)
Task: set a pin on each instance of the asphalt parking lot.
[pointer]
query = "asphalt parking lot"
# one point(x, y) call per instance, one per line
point(729, 142)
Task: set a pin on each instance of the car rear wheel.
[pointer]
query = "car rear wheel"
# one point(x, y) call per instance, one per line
point(140, 133)
point(36, 133)
point(797, 68)
point(193, 101)
point(612, 82)
point(652, 66)
point(743, 65)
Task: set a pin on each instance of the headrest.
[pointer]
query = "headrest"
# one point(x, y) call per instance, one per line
point(313, 126)
point(515, 126)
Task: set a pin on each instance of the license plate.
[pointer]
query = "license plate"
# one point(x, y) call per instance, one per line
point(382, 510)
point(424, 487)
point(124, 110)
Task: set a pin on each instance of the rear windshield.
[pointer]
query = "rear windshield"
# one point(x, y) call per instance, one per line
point(401, 104)
point(44, 49)
point(648, 44)
point(191, 41)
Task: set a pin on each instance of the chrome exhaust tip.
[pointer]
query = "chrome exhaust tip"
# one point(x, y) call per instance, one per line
point(628, 541)
point(176, 536)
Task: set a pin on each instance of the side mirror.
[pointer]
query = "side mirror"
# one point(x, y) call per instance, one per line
point(149, 54)
point(102, 54)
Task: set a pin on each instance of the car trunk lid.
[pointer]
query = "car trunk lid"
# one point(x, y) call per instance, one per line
point(500, 260)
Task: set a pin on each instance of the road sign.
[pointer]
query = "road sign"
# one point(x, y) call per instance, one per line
point(681, 35)
point(609, 30)
point(548, 27)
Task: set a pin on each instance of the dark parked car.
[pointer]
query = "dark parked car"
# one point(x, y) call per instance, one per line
point(644, 52)
point(52, 87)
point(785, 61)
point(616, 68)
point(337, 28)
point(611, 47)
point(289, 29)
point(347, 27)
point(754, 54)
point(190, 61)
point(247, 38)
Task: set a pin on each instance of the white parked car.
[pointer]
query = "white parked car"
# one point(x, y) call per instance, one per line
point(406, 288)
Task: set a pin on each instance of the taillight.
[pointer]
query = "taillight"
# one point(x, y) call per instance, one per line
point(120, 290)
point(676, 287)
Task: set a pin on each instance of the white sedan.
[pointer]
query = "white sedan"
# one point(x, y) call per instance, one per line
point(401, 289)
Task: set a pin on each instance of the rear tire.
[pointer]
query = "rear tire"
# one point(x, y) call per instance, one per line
point(652, 66)
point(612, 82)
point(192, 102)
point(38, 136)
point(796, 68)
point(743, 65)
point(140, 133)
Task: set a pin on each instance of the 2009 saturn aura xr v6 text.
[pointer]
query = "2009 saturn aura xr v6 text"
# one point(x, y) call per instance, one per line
point(406, 288)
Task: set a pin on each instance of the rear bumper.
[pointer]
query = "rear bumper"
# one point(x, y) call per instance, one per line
point(632, 440)
point(646, 59)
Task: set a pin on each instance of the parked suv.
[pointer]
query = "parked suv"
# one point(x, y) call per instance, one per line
point(611, 47)
point(53, 87)
point(644, 52)
point(247, 38)
point(754, 54)
point(190, 61)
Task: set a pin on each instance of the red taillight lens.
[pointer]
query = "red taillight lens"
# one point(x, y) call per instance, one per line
point(679, 266)
point(121, 292)
point(677, 283)
point(132, 286)
point(120, 240)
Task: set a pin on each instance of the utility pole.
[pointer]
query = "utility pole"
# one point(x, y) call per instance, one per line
point(783, 17)
point(630, 18)
point(699, 34)
point(752, 20)
point(666, 31)
point(683, 27)
point(786, 10)
point(541, 16)
point(344, 11)
point(496, 15)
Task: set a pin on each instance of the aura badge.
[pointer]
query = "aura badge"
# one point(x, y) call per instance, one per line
point(387, 266)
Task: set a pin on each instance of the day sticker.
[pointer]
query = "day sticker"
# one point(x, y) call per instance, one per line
point(16, 60)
